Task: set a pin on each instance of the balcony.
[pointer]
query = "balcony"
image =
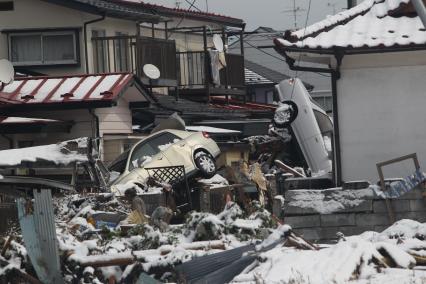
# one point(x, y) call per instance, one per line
point(187, 74)
point(131, 53)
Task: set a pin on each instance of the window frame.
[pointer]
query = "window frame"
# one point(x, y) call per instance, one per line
point(76, 46)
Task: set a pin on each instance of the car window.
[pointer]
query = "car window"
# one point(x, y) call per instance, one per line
point(150, 147)
point(119, 164)
point(324, 122)
point(141, 153)
point(163, 141)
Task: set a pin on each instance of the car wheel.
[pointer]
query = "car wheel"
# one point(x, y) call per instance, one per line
point(205, 164)
point(285, 114)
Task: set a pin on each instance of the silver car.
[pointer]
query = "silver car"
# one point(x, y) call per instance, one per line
point(193, 150)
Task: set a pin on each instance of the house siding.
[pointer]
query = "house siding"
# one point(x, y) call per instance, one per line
point(46, 16)
point(381, 99)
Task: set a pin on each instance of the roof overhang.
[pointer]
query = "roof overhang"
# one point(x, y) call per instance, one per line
point(57, 93)
point(110, 9)
point(324, 56)
point(16, 125)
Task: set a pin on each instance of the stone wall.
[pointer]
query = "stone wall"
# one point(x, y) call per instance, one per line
point(308, 212)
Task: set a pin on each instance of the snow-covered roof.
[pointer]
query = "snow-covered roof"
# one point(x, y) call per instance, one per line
point(371, 24)
point(21, 120)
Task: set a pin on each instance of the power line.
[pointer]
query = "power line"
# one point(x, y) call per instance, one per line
point(304, 31)
point(183, 17)
point(274, 56)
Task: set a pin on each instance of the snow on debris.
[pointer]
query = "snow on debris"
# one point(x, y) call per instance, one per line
point(210, 129)
point(367, 24)
point(56, 153)
point(83, 244)
point(357, 259)
point(215, 181)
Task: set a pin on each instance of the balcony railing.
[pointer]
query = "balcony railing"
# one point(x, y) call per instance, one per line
point(185, 70)
point(131, 53)
point(193, 72)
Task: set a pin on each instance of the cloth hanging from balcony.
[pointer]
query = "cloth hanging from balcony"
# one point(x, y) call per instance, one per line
point(217, 63)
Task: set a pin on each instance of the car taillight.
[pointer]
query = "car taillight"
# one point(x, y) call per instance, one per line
point(205, 134)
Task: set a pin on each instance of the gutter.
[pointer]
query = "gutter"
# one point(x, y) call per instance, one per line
point(335, 75)
point(85, 39)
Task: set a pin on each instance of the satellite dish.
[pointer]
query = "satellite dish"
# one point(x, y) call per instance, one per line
point(7, 73)
point(151, 71)
point(218, 43)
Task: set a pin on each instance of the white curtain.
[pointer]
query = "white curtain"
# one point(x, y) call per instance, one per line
point(25, 48)
point(58, 48)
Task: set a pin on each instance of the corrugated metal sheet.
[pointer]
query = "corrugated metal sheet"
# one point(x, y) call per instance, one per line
point(197, 268)
point(38, 230)
point(66, 89)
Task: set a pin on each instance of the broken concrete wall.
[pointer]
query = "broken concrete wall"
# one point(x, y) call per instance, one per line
point(361, 212)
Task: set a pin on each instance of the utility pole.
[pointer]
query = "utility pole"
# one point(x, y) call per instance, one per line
point(420, 9)
point(207, 6)
point(295, 11)
point(332, 5)
point(351, 3)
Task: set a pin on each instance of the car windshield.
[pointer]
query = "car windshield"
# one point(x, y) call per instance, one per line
point(143, 152)
point(119, 164)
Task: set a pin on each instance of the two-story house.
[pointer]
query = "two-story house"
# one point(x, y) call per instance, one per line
point(86, 60)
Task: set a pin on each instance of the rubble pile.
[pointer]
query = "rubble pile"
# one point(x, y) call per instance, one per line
point(96, 246)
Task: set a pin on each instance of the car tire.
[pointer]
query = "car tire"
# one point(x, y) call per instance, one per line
point(205, 164)
point(293, 116)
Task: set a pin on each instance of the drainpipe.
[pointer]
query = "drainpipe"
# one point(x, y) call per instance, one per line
point(420, 9)
point(85, 39)
point(92, 113)
point(335, 75)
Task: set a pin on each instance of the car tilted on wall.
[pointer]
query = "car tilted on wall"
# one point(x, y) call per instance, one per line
point(193, 150)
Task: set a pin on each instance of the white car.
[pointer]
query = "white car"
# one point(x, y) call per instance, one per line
point(193, 150)
point(311, 125)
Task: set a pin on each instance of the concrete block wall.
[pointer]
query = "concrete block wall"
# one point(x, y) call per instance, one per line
point(370, 215)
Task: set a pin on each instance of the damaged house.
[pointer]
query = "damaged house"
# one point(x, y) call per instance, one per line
point(80, 67)
point(375, 53)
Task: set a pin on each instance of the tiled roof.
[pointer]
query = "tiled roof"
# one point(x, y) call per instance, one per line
point(109, 8)
point(252, 78)
point(65, 90)
point(167, 11)
point(257, 74)
point(371, 24)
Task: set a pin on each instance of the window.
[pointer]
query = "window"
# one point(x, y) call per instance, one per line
point(119, 164)
point(100, 50)
point(121, 53)
point(325, 102)
point(6, 6)
point(43, 48)
point(150, 148)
